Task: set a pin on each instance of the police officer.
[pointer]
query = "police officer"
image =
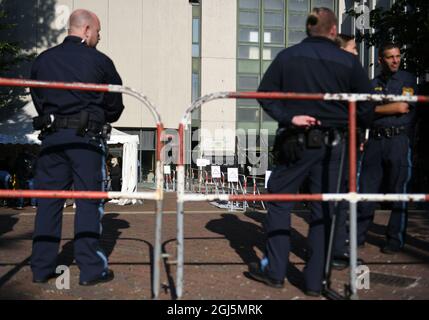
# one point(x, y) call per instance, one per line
point(73, 148)
point(387, 155)
point(309, 143)
point(347, 43)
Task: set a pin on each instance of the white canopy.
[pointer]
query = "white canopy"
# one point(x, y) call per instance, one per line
point(16, 127)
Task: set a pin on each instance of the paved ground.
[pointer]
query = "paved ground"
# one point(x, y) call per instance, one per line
point(218, 246)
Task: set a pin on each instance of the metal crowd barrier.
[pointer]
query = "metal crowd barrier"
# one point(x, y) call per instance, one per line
point(207, 184)
point(156, 195)
point(352, 196)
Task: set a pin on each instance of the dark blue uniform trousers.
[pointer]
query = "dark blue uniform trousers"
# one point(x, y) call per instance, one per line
point(389, 160)
point(67, 161)
point(321, 166)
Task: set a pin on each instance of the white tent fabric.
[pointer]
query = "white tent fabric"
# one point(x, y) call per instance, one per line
point(16, 127)
point(129, 161)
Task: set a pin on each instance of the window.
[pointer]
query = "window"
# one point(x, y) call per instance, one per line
point(297, 20)
point(248, 4)
point(273, 19)
point(248, 52)
point(195, 37)
point(273, 36)
point(274, 4)
point(299, 5)
point(271, 53)
point(248, 114)
point(196, 61)
point(249, 35)
point(249, 82)
point(249, 18)
point(324, 3)
point(265, 28)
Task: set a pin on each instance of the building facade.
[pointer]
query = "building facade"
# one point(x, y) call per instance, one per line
point(174, 51)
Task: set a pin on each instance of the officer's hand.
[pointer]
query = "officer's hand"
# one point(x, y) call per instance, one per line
point(305, 121)
point(403, 107)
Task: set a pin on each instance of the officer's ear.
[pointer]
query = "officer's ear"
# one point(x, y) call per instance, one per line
point(334, 31)
point(87, 32)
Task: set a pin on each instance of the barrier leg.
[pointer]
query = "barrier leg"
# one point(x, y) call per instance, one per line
point(180, 237)
point(353, 250)
point(158, 228)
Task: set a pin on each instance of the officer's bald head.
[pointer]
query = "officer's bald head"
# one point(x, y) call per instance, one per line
point(86, 25)
point(322, 22)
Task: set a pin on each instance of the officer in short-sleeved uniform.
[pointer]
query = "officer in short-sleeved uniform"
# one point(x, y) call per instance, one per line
point(316, 65)
point(72, 153)
point(387, 157)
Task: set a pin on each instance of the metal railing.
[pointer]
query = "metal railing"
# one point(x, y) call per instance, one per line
point(156, 195)
point(352, 196)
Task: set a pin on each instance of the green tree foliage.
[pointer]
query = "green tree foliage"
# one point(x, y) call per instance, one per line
point(11, 56)
point(406, 22)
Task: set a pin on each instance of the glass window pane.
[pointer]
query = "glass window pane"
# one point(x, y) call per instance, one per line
point(148, 140)
point(247, 52)
point(195, 65)
point(265, 65)
point(324, 3)
point(247, 102)
point(247, 114)
point(266, 117)
point(195, 86)
point(274, 4)
point(249, 18)
point(195, 30)
point(273, 19)
point(195, 50)
point(273, 36)
point(248, 125)
point(196, 11)
point(248, 82)
point(295, 36)
point(270, 53)
point(298, 5)
point(271, 125)
point(249, 4)
point(297, 21)
point(248, 66)
point(196, 115)
point(249, 35)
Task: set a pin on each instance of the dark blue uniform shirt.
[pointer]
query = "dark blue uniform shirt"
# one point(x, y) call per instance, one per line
point(316, 65)
point(74, 61)
point(399, 83)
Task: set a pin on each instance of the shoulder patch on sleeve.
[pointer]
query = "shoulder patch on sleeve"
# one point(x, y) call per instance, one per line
point(407, 91)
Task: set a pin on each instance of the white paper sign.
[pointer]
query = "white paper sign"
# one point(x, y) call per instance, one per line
point(267, 177)
point(202, 162)
point(167, 170)
point(216, 172)
point(232, 174)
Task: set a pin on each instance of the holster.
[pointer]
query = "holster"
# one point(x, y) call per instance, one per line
point(288, 145)
point(42, 122)
point(83, 124)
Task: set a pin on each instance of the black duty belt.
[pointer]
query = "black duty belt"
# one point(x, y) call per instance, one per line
point(314, 137)
point(75, 123)
point(387, 132)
